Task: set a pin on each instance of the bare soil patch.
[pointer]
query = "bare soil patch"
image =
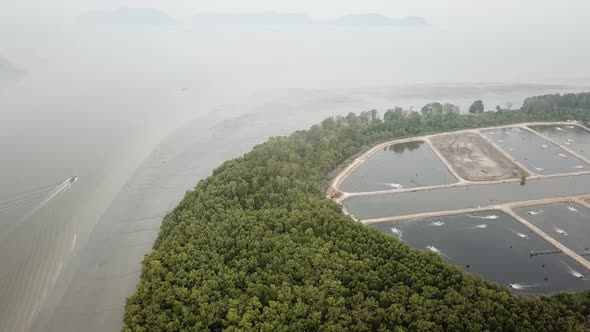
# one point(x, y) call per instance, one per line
point(475, 159)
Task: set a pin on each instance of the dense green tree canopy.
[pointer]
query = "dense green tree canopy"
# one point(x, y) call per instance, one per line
point(258, 247)
point(476, 107)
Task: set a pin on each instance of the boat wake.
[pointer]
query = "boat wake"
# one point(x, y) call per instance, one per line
point(33, 201)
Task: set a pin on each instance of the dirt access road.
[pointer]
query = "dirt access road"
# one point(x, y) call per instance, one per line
point(474, 158)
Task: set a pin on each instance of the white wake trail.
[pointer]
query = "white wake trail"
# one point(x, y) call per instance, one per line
point(490, 217)
point(59, 190)
point(520, 286)
point(573, 272)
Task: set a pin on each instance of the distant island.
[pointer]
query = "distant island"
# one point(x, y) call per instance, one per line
point(128, 16)
point(274, 18)
point(9, 71)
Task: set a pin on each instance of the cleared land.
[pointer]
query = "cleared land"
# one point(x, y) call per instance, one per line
point(474, 158)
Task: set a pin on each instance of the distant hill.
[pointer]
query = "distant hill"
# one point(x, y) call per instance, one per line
point(9, 71)
point(273, 18)
point(128, 16)
point(266, 18)
point(379, 20)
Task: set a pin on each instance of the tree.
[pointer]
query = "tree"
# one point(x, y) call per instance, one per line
point(476, 107)
point(449, 109)
point(523, 178)
point(431, 109)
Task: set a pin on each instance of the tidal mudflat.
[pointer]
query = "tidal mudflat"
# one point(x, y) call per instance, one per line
point(537, 154)
point(403, 165)
point(495, 246)
point(568, 223)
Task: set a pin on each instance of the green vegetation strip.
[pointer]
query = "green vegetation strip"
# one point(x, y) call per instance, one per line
point(258, 247)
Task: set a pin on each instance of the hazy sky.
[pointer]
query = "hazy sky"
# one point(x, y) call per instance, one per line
point(466, 40)
point(548, 12)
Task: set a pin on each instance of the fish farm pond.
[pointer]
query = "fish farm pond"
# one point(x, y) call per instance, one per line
point(509, 203)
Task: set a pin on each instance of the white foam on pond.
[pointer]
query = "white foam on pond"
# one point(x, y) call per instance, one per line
point(511, 149)
point(433, 249)
point(573, 272)
point(579, 166)
point(519, 286)
point(520, 235)
point(500, 141)
point(393, 185)
point(562, 155)
point(436, 223)
point(559, 231)
point(566, 143)
point(539, 169)
point(535, 212)
point(570, 140)
point(544, 146)
point(570, 127)
point(396, 232)
point(436, 251)
point(482, 226)
point(491, 217)
point(558, 128)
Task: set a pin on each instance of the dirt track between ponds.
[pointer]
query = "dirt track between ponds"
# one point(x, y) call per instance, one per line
point(474, 158)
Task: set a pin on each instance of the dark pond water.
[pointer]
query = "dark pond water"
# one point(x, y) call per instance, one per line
point(369, 207)
point(404, 165)
point(535, 153)
point(574, 137)
point(568, 223)
point(498, 249)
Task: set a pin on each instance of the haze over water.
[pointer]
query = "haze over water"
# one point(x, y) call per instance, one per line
point(140, 113)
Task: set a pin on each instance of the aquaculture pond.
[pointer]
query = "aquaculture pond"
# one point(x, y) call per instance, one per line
point(537, 154)
point(495, 246)
point(403, 165)
point(369, 207)
point(568, 223)
point(575, 138)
